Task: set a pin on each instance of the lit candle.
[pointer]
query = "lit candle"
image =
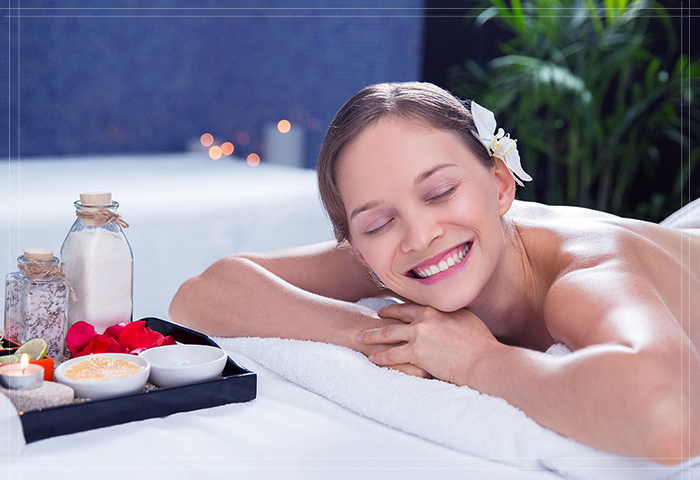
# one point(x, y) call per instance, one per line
point(22, 376)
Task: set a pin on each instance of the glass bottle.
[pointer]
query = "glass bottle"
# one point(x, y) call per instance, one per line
point(35, 301)
point(98, 263)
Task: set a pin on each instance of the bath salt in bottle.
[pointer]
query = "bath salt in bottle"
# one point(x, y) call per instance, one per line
point(35, 301)
point(98, 263)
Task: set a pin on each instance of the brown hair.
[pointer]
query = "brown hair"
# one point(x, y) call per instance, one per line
point(416, 101)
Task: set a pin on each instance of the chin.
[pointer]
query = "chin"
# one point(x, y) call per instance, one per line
point(442, 304)
point(447, 306)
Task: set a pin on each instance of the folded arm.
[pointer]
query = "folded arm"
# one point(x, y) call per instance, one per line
point(302, 293)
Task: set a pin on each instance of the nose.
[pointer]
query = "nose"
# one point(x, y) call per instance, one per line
point(420, 231)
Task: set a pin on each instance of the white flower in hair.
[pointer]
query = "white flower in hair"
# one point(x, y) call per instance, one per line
point(499, 145)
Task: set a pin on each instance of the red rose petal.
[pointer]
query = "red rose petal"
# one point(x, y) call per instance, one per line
point(79, 336)
point(86, 350)
point(155, 339)
point(115, 331)
point(169, 340)
point(105, 344)
point(135, 335)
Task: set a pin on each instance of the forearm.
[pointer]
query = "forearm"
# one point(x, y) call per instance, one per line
point(237, 297)
point(603, 396)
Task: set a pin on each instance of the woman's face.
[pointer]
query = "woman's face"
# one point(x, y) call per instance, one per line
point(424, 213)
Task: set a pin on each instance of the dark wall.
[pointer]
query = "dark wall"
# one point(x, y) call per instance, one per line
point(111, 81)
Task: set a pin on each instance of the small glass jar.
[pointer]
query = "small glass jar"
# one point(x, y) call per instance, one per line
point(99, 264)
point(35, 302)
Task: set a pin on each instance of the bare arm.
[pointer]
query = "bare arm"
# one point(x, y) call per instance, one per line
point(299, 293)
point(632, 386)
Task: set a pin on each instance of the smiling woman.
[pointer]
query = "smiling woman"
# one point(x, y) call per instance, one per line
point(420, 189)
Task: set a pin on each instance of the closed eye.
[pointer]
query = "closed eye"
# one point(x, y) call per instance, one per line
point(379, 229)
point(443, 195)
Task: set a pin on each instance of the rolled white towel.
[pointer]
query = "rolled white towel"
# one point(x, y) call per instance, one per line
point(457, 417)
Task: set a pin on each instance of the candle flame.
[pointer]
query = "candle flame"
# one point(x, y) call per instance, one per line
point(24, 362)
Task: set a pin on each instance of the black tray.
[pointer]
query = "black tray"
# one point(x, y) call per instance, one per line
point(7, 346)
point(235, 385)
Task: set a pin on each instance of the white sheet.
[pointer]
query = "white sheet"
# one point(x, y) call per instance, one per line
point(287, 432)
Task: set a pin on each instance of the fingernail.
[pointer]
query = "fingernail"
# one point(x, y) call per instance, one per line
point(360, 335)
point(371, 358)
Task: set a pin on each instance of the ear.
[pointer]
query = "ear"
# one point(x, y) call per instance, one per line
point(505, 186)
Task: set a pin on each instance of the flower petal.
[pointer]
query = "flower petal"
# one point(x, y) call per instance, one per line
point(105, 344)
point(115, 330)
point(513, 163)
point(79, 336)
point(484, 120)
point(86, 350)
point(169, 340)
point(135, 335)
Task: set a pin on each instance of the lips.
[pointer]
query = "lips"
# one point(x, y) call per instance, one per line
point(441, 262)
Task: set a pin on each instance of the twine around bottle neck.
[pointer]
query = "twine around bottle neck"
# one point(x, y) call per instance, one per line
point(102, 216)
point(37, 270)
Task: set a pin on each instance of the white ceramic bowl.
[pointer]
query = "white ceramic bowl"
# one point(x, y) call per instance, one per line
point(173, 365)
point(99, 389)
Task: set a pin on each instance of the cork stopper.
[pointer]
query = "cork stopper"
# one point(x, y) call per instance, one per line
point(96, 199)
point(40, 254)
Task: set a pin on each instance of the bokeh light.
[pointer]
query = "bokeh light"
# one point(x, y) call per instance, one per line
point(253, 159)
point(207, 139)
point(284, 126)
point(215, 152)
point(227, 148)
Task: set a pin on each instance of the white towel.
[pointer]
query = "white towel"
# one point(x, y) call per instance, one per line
point(686, 217)
point(457, 417)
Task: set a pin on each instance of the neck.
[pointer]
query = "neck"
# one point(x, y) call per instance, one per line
point(510, 304)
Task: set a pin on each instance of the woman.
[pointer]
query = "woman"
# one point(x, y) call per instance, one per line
point(421, 196)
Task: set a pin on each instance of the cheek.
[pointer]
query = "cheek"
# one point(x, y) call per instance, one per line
point(377, 252)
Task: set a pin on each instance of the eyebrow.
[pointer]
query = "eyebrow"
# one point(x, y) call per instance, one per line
point(435, 169)
point(423, 176)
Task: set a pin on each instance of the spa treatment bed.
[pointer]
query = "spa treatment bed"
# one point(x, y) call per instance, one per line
point(321, 411)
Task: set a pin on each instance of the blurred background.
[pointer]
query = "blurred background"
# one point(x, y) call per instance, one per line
point(601, 94)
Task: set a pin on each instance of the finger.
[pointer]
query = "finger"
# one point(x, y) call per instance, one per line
point(392, 356)
point(389, 334)
point(410, 369)
point(405, 312)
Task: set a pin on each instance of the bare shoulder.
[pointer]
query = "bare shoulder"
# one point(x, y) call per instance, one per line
point(604, 304)
point(610, 279)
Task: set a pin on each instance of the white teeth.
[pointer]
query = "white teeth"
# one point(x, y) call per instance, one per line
point(443, 265)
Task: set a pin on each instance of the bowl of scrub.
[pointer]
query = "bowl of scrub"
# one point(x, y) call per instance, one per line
point(174, 365)
point(104, 375)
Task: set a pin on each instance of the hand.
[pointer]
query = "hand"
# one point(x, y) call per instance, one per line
point(369, 349)
point(446, 345)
